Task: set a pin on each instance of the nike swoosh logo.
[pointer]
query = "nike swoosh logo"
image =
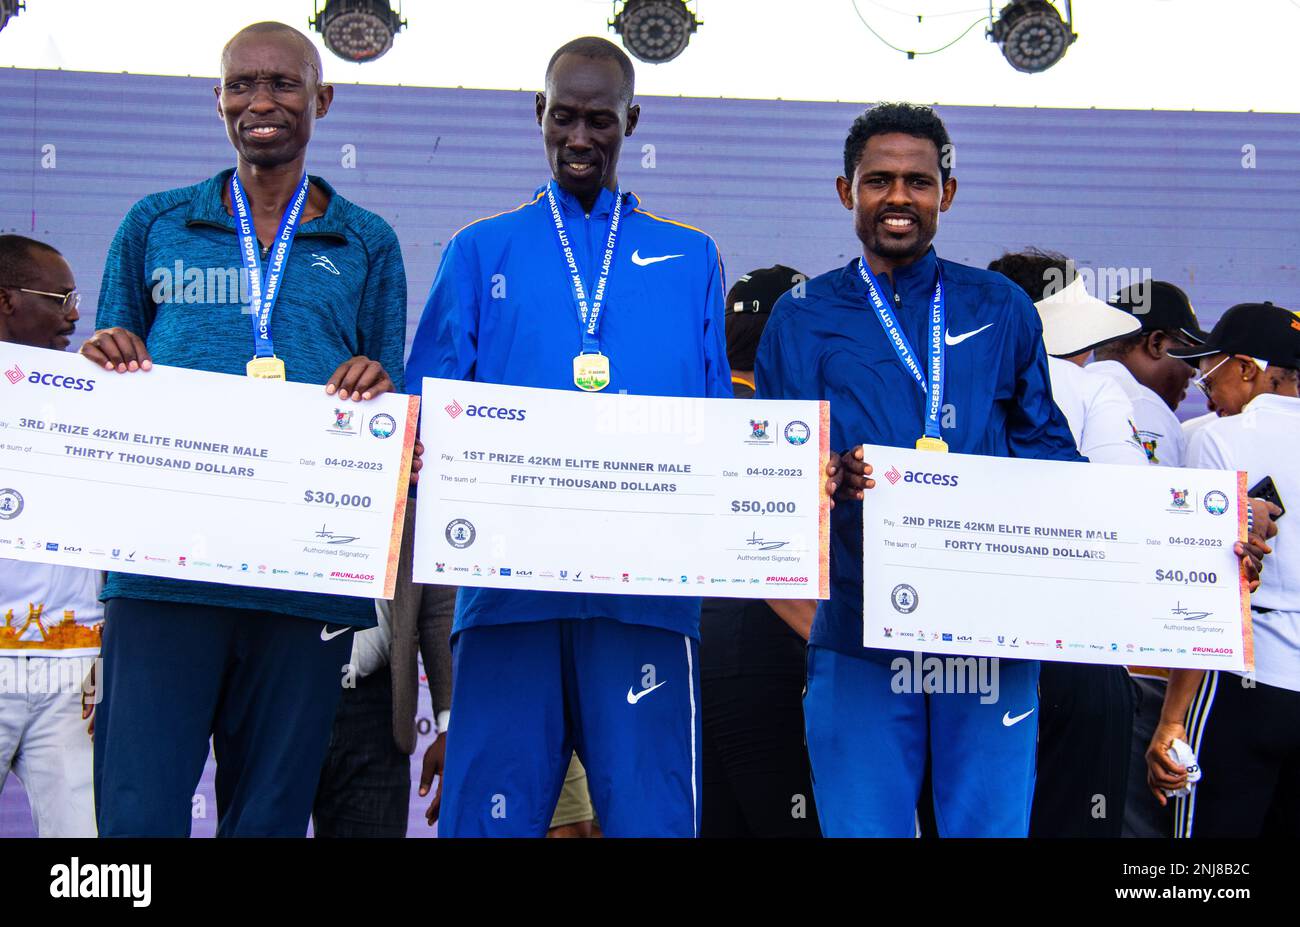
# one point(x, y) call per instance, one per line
point(634, 697)
point(327, 635)
point(950, 341)
point(643, 262)
point(1008, 721)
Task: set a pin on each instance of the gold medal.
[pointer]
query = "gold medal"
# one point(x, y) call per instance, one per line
point(926, 443)
point(266, 368)
point(591, 372)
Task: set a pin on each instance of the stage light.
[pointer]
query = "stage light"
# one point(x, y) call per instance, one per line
point(10, 9)
point(1032, 34)
point(655, 31)
point(358, 30)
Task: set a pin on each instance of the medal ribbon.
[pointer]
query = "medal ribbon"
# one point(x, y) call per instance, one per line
point(588, 310)
point(262, 298)
point(932, 387)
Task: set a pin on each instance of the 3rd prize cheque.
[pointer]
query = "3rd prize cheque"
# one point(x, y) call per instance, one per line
point(1087, 563)
point(201, 476)
point(641, 495)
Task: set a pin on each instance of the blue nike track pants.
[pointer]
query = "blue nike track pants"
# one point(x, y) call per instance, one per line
point(262, 686)
point(524, 696)
point(869, 728)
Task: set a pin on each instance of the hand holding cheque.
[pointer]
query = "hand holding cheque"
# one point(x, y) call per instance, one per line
point(561, 491)
point(554, 490)
point(1050, 560)
point(227, 480)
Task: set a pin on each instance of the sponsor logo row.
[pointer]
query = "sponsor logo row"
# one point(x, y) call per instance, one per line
point(1017, 643)
point(135, 556)
point(581, 576)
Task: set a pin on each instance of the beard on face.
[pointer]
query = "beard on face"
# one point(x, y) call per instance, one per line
point(895, 247)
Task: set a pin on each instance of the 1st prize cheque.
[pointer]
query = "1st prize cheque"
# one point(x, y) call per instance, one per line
point(639, 495)
point(201, 476)
point(1087, 563)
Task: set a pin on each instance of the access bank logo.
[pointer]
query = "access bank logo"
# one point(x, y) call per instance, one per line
point(15, 376)
point(500, 413)
point(895, 476)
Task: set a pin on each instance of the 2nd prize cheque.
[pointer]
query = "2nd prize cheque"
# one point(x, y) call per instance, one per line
point(1088, 563)
point(565, 491)
point(201, 476)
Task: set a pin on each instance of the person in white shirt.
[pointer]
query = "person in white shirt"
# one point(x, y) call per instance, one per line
point(50, 616)
point(1245, 728)
point(1193, 425)
point(1085, 726)
point(1154, 380)
point(1156, 383)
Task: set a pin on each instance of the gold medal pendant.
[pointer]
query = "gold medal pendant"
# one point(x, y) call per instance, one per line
point(926, 443)
point(591, 372)
point(266, 368)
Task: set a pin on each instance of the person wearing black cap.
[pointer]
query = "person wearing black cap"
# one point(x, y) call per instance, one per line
point(1154, 380)
point(756, 773)
point(1245, 728)
point(749, 306)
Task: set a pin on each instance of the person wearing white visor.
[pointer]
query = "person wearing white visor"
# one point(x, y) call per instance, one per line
point(1100, 415)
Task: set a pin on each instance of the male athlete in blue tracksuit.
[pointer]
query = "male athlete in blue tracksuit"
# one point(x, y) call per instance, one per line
point(867, 743)
point(538, 674)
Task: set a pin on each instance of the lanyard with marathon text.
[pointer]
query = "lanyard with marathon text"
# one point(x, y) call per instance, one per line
point(931, 387)
point(263, 292)
point(590, 367)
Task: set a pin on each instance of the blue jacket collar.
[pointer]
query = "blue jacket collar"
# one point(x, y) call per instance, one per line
point(604, 202)
point(207, 208)
point(909, 281)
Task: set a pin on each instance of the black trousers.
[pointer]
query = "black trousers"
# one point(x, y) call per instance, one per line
point(1143, 815)
point(757, 780)
point(365, 784)
point(1247, 743)
point(1085, 733)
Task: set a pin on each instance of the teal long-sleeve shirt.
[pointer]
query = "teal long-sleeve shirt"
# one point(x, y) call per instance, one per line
point(173, 277)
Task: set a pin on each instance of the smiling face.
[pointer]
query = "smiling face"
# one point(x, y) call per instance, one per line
point(270, 96)
point(35, 320)
point(896, 194)
point(584, 120)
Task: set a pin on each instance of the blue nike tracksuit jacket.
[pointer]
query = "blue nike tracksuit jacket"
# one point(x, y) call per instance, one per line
point(501, 311)
point(539, 674)
point(868, 743)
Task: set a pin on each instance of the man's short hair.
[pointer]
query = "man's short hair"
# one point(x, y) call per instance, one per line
point(1039, 273)
point(16, 259)
point(1281, 374)
point(905, 118)
point(310, 51)
point(1120, 348)
point(594, 47)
